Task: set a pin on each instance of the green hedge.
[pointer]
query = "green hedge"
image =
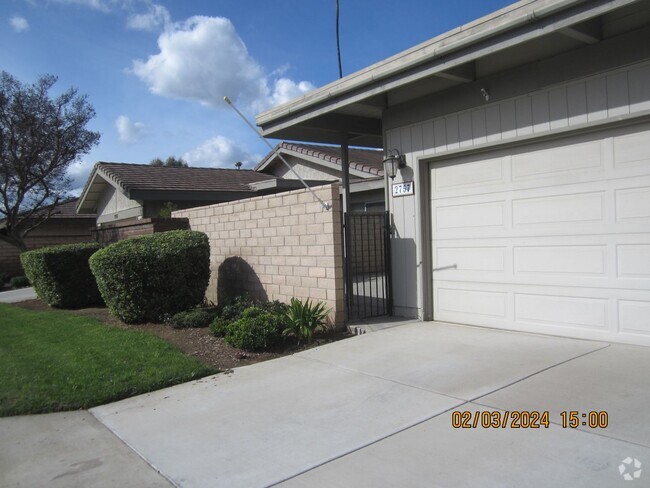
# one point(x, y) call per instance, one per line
point(61, 276)
point(150, 278)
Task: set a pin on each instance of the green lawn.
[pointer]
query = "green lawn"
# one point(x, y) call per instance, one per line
point(53, 361)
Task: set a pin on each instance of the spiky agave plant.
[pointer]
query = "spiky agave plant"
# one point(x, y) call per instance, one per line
point(305, 318)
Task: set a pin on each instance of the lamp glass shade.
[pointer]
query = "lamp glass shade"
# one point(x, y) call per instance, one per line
point(391, 164)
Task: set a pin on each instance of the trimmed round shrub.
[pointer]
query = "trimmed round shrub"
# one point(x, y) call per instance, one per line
point(148, 278)
point(257, 329)
point(191, 319)
point(61, 275)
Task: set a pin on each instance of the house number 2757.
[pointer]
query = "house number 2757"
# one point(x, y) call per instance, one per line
point(402, 189)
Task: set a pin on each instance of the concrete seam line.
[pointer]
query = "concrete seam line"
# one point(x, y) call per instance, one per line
point(346, 368)
point(369, 443)
point(570, 429)
point(133, 449)
point(540, 371)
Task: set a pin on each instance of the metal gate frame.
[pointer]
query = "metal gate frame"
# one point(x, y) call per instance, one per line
point(368, 283)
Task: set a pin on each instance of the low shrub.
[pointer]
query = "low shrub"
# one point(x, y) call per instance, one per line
point(61, 275)
point(151, 277)
point(231, 313)
point(219, 326)
point(235, 309)
point(257, 329)
point(4, 277)
point(191, 319)
point(305, 318)
point(19, 282)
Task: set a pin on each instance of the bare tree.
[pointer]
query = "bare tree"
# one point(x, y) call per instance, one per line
point(170, 162)
point(40, 137)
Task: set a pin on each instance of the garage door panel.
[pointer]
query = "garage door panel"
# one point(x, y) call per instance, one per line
point(482, 172)
point(555, 161)
point(633, 317)
point(563, 246)
point(570, 311)
point(561, 260)
point(559, 209)
point(633, 261)
point(474, 302)
point(630, 149)
point(471, 215)
point(632, 204)
point(573, 311)
point(472, 258)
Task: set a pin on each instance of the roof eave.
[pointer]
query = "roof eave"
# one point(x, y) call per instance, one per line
point(392, 72)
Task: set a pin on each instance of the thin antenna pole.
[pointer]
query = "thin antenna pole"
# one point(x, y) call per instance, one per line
point(325, 205)
point(338, 43)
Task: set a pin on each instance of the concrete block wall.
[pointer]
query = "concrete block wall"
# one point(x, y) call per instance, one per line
point(275, 247)
point(113, 232)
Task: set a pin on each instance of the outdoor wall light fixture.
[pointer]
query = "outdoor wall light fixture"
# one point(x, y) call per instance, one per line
point(485, 94)
point(393, 162)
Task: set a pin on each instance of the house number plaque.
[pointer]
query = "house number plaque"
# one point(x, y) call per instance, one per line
point(403, 189)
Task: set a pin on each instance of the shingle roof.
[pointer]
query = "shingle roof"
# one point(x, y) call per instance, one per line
point(146, 177)
point(366, 160)
point(64, 210)
point(68, 210)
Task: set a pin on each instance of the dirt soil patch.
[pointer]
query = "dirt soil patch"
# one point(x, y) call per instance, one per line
point(199, 343)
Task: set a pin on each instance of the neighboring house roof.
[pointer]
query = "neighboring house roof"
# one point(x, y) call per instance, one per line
point(67, 209)
point(367, 161)
point(146, 177)
point(528, 31)
point(146, 182)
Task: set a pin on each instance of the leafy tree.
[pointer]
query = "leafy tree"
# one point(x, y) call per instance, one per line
point(170, 162)
point(167, 209)
point(40, 137)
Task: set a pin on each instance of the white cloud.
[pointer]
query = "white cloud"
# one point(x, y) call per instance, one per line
point(286, 89)
point(204, 59)
point(156, 17)
point(219, 152)
point(78, 173)
point(130, 132)
point(19, 24)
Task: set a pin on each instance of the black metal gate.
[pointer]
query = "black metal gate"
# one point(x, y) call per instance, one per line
point(368, 268)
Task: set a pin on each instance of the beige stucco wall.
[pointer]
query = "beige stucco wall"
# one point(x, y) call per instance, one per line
point(275, 247)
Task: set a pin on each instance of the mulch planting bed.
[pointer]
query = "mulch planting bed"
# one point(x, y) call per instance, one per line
point(199, 343)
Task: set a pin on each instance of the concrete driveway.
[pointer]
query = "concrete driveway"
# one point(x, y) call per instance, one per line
point(19, 295)
point(376, 410)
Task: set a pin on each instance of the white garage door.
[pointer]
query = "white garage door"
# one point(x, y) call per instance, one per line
point(551, 237)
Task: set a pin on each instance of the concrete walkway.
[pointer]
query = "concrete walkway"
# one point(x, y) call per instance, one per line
point(19, 295)
point(375, 410)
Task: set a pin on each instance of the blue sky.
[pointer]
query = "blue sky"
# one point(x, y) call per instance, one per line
point(156, 72)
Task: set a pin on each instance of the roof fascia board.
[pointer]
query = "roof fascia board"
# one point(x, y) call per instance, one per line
point(323, 162)
point(395, 72)
point(312, 159)
point(97, 173)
